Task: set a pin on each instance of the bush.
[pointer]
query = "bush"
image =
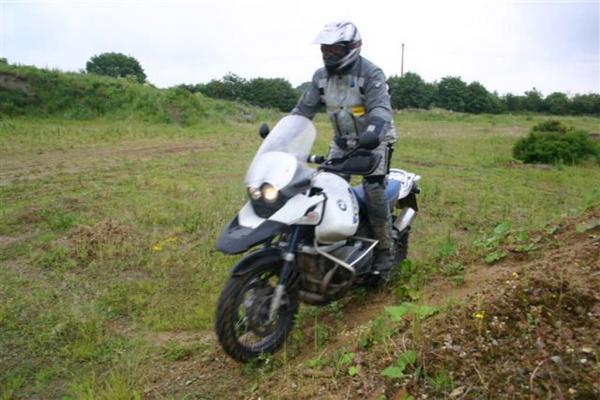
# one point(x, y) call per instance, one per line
point(552, 142)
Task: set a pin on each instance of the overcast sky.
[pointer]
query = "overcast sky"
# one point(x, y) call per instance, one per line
point(508, 46)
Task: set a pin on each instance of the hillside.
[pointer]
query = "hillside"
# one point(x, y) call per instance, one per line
point(38, 92)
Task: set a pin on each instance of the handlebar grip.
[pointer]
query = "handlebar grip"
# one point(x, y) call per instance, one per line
point(313, 158)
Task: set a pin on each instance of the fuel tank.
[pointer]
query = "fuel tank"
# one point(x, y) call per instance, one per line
point(340, 215)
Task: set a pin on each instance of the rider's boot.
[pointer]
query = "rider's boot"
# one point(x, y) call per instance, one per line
point(380, 219)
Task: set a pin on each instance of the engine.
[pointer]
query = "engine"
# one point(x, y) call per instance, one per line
point(323, 280)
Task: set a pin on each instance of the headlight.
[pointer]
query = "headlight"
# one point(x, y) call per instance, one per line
point(269, 193)
point(254, 193)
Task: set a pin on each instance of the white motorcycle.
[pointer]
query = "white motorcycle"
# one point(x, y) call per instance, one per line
point(315, 237)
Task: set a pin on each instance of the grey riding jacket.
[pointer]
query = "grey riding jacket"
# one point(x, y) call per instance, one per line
point(356, 101)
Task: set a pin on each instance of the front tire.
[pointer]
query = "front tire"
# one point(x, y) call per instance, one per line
point(242, 324)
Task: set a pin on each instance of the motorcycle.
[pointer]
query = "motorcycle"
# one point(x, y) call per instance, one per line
point(314, 236)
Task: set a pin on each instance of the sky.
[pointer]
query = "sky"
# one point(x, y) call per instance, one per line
point(508, 46)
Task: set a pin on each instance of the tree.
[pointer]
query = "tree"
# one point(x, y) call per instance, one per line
point(585, 104)
point(116, 65)
point(276, 93)
point(451, 94)
point(231, 87)
point(557, 103)
point(478, 99)
point(514, 103)
point(533, 101)
point(410, 91)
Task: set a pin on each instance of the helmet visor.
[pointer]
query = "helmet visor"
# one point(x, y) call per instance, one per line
point(333, 53)
point(334, 50)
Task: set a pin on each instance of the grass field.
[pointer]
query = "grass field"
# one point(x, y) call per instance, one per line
point(107, 231)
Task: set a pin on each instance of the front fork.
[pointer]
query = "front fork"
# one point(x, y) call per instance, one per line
point(287, 270)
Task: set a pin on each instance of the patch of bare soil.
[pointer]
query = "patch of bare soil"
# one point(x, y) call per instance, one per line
point(53, 162)
point(85, 242)
point(527, 328)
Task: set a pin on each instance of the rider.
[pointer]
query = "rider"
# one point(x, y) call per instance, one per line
point(355, 94)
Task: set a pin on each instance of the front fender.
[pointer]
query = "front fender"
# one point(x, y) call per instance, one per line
point(243, 266)
point(236, 238)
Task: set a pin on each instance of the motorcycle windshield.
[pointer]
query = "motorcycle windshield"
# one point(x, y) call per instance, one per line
point(282, 152)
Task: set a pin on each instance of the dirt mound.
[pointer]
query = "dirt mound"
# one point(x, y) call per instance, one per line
point(531, 333)
point(87, 242)
point(537, 336)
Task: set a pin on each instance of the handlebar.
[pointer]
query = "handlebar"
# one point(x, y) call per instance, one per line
point(315, 159)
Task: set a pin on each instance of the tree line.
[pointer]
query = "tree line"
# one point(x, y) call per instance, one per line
point(408, 91)
point(452, 93)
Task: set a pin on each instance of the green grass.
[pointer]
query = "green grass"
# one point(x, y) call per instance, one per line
point(106, 234)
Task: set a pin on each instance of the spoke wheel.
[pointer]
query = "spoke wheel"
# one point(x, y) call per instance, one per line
point(243, 326)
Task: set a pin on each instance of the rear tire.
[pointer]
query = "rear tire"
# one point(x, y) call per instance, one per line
point(400, 247)
point(242, 314)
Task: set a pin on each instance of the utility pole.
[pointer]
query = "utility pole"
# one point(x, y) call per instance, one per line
point(402, 65)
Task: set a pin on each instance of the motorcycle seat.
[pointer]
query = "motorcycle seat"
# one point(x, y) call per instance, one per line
point(392, 189)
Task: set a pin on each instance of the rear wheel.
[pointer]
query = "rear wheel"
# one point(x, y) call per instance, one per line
point(243, 325)
point(400, 246)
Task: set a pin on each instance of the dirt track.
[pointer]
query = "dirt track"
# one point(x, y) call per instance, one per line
point(71, 161)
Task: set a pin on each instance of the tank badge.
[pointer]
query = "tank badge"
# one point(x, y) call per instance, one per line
point(342, 205)
point(355, 207)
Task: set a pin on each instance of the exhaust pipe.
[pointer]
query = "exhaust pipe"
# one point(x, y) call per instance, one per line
point(406, 217)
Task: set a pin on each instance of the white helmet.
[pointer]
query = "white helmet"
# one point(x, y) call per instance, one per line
point(340, 45)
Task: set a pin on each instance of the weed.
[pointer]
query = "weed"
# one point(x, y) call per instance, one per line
point(58, 220)
point(456, 271)
point(447, 248)
point(441, 382)
point(56, 258)
point(316, 362)
point(173, 351)
point(407, 358)
point(379, 331)
point(118, 385)
point(263, 364)
point(321, 334)
point(11, 383)
point(495, 256)
point(342, 360)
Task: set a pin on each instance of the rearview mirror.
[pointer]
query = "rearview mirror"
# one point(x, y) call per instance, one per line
point(264, 130)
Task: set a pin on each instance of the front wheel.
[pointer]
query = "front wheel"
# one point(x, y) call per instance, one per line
point(243, 325)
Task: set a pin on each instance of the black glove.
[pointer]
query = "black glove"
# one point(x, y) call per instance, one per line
point(369, 140)
point(371, 137)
